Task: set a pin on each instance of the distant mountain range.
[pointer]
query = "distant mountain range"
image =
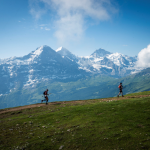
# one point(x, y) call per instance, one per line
point(45, 65)
point(103, 62)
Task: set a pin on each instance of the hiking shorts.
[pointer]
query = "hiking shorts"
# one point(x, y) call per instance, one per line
point(46, 97)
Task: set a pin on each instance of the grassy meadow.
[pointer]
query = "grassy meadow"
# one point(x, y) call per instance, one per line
point(97, 124)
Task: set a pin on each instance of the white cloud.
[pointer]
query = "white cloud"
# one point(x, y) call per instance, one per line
point(42, 25)
point(144, 58)
point(92, 8)
point(71, 16)
point(69, 28)
point(35, 8)
point(47, 29)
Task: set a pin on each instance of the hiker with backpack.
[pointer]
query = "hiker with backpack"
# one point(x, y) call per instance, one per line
point(120, 90)
point(45, 93)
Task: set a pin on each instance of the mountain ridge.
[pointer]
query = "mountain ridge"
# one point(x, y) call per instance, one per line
point(100, 53)
point(45, 65)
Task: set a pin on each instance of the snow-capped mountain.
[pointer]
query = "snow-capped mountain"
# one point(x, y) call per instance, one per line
point(66, 53)
point(104, 62)
point(42, 64)
point(100, 53)
point(47, 64)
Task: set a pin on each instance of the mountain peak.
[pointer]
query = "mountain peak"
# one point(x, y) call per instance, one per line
point(100, 53)
point(44, 47)
point(41, 49)
point(63, 51)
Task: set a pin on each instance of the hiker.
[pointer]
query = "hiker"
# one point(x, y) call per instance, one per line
point(45, 93)
point(120, 89)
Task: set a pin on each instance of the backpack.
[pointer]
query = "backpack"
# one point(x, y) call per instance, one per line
point(119, 86)
point(44, 93)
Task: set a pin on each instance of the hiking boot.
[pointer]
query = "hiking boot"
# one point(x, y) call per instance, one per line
point(122, 96)
point(117, 95)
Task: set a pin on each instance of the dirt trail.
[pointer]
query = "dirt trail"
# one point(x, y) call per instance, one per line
point(68, 102)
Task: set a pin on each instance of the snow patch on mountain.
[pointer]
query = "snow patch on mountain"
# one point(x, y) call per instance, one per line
point(59, 49)
point(35, 54)
point(116, 58)
point(85, 68)
point(63, 51)
point(98, 66)
point(38, 51)
point(66, 53)
point(31, 81)
point(98, 59)
point(31, 71)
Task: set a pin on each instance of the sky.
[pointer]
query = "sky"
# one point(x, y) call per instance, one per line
point(81, 26)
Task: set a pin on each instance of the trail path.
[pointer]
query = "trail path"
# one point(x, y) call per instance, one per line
point(68, 102)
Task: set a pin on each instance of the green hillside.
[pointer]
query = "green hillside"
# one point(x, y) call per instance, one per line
point(91, 87)
point(99, 124)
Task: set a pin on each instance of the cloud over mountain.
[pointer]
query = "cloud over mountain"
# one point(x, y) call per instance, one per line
point(144, 57)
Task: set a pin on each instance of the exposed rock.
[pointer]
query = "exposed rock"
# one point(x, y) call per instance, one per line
point(61, 146)
point(30, 122)
point(11, 129)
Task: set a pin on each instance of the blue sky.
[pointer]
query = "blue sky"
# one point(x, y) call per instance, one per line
point(80, 26)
